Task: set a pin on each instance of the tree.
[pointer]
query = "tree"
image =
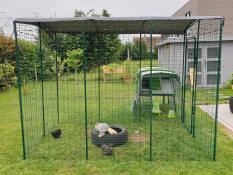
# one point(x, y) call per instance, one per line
point(7, 49)
point(105, 13)
point(30, 61)
point(156, 53)
point(7, 76)
point(73, 63)
point(98, 48)
point(125, 48)
point(79, 13)
point(136, 50)
point(96, 45)
point(7, 61)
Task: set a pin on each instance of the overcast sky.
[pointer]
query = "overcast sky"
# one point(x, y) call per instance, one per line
point(65, 8)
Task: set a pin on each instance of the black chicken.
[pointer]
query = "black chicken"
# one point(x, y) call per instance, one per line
point(56, 133)
point(107, 149)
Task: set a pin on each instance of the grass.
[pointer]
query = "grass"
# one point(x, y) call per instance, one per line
point(174, 149)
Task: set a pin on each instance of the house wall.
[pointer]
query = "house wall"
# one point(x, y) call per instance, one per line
point(171, 57)
point(215, 8)
point(191, 6)
point(210, 8)
point(227, 62)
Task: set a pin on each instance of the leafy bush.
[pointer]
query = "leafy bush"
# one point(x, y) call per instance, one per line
point(134, 51)
point(232, 79)
point(73, 62)
point(7, 49)
point(123, 71)
point(30, 61)
point(99, 49)
point(7, 76)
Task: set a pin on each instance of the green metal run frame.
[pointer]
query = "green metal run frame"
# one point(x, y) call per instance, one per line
point(217, 89)
point(151, 127)
point(19, 82)
point(57, 83)
point(86, 104)
point(42, 81)
point(184, 78)
point(195, 79)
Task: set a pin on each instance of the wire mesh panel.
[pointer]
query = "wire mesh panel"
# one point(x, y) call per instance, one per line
point(52, 98)
point(155, 92)
point(30, 93)
point(111, 89)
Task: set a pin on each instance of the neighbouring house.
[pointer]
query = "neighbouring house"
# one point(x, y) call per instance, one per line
point(208, 53)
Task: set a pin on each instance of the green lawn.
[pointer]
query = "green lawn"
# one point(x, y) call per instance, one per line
point(174, 151)
point(40, 162)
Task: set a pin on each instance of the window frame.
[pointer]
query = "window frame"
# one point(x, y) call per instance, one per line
point(209, 56)
point(199, 53)
point(188, 14)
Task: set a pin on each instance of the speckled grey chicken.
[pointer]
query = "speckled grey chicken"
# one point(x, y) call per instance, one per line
point(107, 149)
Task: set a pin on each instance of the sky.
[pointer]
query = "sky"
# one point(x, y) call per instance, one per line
point(65, 8)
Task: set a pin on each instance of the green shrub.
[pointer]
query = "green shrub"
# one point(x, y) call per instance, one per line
point(73, 62)
point(232, 79)
point(7, 76)
point(29, 56)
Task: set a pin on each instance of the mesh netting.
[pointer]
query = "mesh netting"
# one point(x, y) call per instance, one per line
point(161, 89)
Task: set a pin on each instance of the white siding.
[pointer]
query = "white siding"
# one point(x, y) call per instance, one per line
point(171, 55)
point(227, 62)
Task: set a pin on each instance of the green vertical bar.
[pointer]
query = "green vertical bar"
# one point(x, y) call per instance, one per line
point(140, 51)
point(185, 76)
point(140, 67)
point(193, 87)
point(19, 82)
point(151, 57)
point(217, 89)
point(98, 54)
point(195, 81)
point(183, 80)
point(42, 81)
point(99, 93)
point(57, 84)
point(85, 97)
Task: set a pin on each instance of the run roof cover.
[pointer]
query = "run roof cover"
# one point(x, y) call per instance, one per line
point(118, 25)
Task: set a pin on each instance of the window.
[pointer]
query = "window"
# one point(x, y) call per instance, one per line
point(212, 79)
point(212, 66)
point(191, 53)
point(199, 79)
point(212, 52)
point(155, 83)
point(191, 65)
point(188, 14)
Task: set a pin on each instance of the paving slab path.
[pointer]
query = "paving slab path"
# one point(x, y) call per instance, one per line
point(224, 114)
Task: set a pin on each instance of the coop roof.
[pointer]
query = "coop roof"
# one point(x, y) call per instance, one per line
point(156, 71)
point(118, 25)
